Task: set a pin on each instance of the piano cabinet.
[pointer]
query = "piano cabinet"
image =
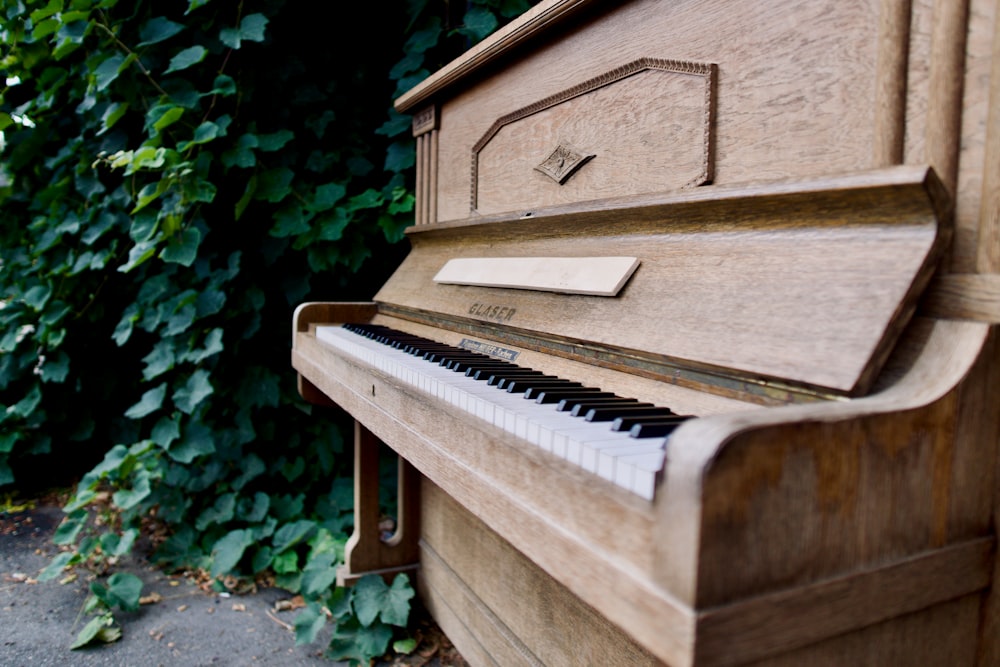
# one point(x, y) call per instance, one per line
point(825, 533)
point(797, 203)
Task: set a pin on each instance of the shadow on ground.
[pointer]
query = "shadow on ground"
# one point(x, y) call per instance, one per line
point(184, 626)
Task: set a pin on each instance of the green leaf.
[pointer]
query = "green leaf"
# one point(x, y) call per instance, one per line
point(186, 58)
point(126, 499)
point(45, 28)
point(241, 155)
point(227, 552)
point(124, 590)
point(274, 185)
point(99, 629)
point(371, 599)
point(157, 30)
point(167, 430)
point(163, 116)
point(370, 198)
point(150, 402)
point(112, 115)
point(159, 360)
point(108, 71)
point(197, 441)
point(7, 441)
point(275, 141)
point(251, 28)
point(182, 248)
point(27, 405)
point(404, 646)
point(327, 196)
point(308, 624)
point(479, 22)
point(254, 510)
point(150, 193)
point(248, 194)
point(220, 512)
point(55, 369)
point(291, 534)
point(319, 574)
point(56, 566)
point(53, 7)
point(213, 345)
point(359, 643)
point(252, 467)
point(203, 134)
point(400, 157)
point(290, 220)
point(285, 563)
point(197, 388)
point(37, 297)
point(223, 85)
point(69, 529)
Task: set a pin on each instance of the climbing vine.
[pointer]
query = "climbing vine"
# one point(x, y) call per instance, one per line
point(175, 177)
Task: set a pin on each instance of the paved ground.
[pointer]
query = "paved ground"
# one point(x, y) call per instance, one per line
point(186, 626)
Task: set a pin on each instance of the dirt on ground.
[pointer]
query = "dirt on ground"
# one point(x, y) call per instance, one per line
point(182, 621)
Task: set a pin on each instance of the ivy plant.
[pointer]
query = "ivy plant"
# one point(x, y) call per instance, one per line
point(175, 177)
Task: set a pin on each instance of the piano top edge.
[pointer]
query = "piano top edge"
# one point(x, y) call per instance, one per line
point(903, 188)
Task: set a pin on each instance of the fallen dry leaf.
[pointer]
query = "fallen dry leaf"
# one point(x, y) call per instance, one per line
point(290, 604)
point(182, 607)
point(152, 598)
point(239, 606)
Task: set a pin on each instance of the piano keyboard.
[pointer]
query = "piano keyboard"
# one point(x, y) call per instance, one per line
point(619, 439)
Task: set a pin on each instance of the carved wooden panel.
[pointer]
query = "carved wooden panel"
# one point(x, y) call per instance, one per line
point(646, 126)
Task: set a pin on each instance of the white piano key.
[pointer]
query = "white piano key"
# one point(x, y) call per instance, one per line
point(628, 462)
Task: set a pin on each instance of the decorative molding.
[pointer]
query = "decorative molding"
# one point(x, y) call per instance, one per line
point(425, 120)
point(563, 162)
point(707, 71)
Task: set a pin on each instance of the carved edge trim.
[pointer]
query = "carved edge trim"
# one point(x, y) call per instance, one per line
point(706, 70)
point(424, 121)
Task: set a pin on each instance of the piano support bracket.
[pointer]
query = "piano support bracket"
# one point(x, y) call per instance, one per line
point(366, 551)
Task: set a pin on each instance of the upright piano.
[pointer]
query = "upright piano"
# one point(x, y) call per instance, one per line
point(692, 360)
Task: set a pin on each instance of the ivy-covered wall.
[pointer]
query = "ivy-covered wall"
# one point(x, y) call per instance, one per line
point(176, 176)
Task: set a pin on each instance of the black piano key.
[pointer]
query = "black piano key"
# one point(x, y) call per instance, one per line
point(610, 413)
point(626, 422)
point(488, 368)
point(567, 404)
point(533, 392)
point(581, 409)
point(544, 396)
point(656, 429)
point(503, 378)
point(518, 386)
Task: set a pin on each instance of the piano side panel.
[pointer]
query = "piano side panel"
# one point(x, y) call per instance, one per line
point(504, 602)
point(941, 635)
point(844, 501)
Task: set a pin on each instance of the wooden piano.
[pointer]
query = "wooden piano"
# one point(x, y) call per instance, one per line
point(767, 234)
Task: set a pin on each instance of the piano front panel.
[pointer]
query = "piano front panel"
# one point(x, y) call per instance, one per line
point(791, 103)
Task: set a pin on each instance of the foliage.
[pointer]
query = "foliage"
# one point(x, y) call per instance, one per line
point(176, 177)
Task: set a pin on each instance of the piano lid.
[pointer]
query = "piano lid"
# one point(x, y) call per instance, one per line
point(803, 284)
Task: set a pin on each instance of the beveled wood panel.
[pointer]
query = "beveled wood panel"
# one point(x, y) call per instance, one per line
point(791, 102)
point(808, 285)
point(662, 141)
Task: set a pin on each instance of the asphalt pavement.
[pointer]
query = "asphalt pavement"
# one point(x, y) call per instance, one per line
point(182, 624)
